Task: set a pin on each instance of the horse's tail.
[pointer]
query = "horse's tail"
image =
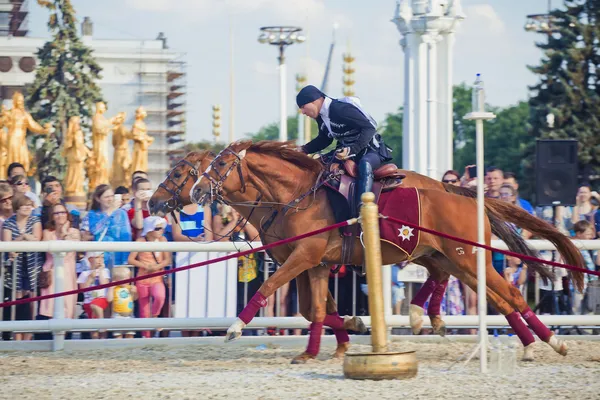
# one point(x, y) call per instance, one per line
point(516, 215)
point(504, 231)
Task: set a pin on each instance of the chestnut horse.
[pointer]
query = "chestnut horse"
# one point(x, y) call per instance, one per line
point(274, 173)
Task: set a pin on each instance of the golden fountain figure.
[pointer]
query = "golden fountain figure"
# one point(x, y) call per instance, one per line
point(19, 122)
point(141, 141)
point(75, 152)
point(121, 166)
point(4, 115)
point(100, 128)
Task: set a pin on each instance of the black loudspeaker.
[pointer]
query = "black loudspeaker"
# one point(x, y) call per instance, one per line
point(556, 172)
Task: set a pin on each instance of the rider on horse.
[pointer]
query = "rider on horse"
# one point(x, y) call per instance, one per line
point(353, 128)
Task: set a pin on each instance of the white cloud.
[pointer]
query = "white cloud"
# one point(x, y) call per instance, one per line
point(486, 18)
point(202, 9)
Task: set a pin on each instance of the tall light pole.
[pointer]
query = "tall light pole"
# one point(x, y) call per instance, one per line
point(281, 36)
point(300, 82)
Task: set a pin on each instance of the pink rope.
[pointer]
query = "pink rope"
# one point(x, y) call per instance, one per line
point(490, 248)
point(171, 271)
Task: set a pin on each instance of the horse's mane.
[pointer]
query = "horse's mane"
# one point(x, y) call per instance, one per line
point(287, 152)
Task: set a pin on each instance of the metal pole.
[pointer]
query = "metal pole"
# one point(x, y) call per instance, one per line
point(13, 294)
point(300, 139)
point(58, 337)
point(336, 283)
point(353, 293)
point(370, 223)
point(282, 100)
point(481, 278)
point(231, 83)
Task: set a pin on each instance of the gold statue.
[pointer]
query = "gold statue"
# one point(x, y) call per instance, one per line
point(100, 128)
point(19, 122)
point(141, 141)
point(121, 166)
point(75, 153)
point(4, 115)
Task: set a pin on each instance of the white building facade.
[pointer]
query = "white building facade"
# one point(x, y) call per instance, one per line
point(428, 34)
point(134, 73)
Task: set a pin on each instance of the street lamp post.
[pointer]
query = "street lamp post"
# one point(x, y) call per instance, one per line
point(281, 36)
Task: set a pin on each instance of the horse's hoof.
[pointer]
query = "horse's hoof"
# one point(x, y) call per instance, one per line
point(355, 324)
point(303, 358)
point(341, 350)
point(438, 325)
point(528, 353)
point(231, 336)
point(559, 345)
point(235, 331)
point(416, 318)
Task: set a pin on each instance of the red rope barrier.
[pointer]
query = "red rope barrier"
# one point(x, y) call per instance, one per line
point(161, 273)
point(490, 248)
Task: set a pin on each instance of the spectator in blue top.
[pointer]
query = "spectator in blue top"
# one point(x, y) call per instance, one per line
point(106, 222)
point(511, 179)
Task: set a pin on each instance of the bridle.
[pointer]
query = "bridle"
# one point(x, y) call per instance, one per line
point(216, 185)
point(174, 203)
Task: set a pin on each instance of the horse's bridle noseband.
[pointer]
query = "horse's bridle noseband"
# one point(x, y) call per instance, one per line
point(175, 201)
point(216, 186)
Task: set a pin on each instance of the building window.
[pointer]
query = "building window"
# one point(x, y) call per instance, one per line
point(5, 64)
point(27, 64)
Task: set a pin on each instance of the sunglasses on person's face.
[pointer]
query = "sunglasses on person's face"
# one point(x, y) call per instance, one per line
point(506, 195)
point(160, 228)
point(450, 180)
point(60, 213)
point(21, 183)
point(6, 200)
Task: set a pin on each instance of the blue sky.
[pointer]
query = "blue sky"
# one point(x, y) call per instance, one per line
point(490, 41)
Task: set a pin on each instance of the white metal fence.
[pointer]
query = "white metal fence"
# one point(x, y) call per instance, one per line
point(206, 296)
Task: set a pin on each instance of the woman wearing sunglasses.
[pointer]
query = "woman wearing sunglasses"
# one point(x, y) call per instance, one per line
point(6, 208)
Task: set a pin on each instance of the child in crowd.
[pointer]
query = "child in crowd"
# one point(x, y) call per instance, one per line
point(149, 262)
point(122, 298)
point(95, 301)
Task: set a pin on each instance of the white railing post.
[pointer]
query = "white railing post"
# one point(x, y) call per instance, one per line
point(58, 337)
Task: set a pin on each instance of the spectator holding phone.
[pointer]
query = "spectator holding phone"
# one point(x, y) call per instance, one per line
point(107, 222)
point(123, 197)
point(142, 192)
point(53, 195)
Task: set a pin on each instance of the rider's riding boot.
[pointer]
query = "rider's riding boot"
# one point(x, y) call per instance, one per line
point(365, 181)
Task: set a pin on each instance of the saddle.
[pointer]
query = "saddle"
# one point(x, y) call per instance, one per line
point(342, 190)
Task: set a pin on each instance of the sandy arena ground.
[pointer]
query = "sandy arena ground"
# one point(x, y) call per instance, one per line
point(219, 372)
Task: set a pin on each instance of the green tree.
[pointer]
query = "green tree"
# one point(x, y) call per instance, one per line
point(568, 85)
point(391, 131)
point(64, 85)
point(271, 131)
point(204, 145)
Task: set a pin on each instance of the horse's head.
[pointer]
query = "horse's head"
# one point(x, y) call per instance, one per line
point(174, 192)
point(225, 174)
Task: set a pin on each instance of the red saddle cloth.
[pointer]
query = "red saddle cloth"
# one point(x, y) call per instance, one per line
point(401, 203)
